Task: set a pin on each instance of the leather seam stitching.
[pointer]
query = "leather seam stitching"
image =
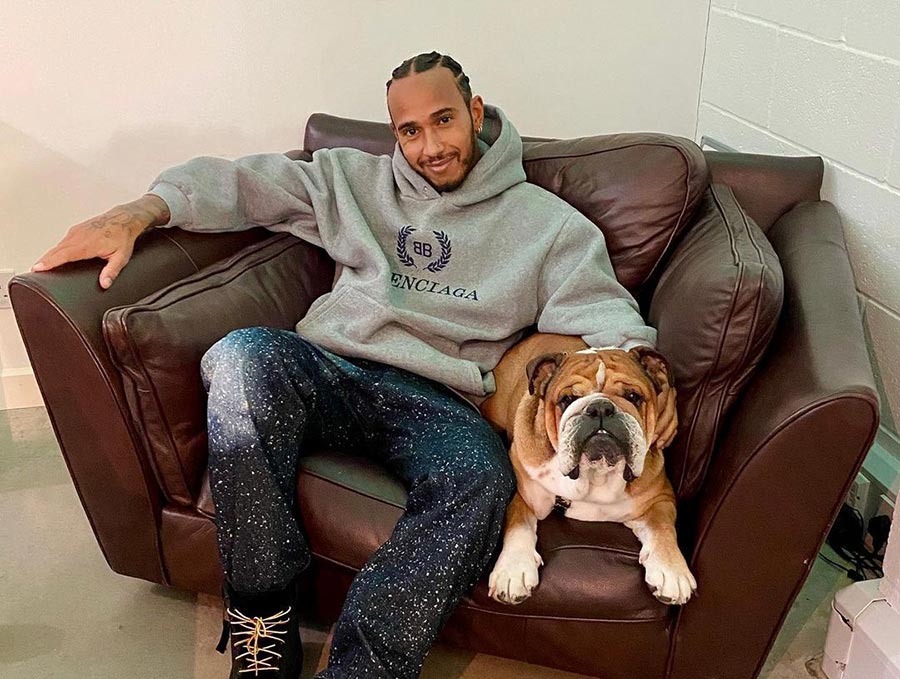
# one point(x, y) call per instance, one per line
point(596, 548)
point(210, 272)
point(182, 490)
point(180, 247)
point(754, 325)
point(526, 616)
point(707, 379)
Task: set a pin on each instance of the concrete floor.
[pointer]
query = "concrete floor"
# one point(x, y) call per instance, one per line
point(64, 614)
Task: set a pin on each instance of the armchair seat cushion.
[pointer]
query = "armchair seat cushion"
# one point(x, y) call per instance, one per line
point(591, 571)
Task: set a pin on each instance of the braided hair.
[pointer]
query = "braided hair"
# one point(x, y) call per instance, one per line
point(427, 61)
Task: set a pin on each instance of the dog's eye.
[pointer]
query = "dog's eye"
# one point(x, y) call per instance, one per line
point(567, 400)
point(634, 397)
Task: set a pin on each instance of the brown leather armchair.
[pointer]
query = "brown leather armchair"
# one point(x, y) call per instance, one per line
point(734, 259)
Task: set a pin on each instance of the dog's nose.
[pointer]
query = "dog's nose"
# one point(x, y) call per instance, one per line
point(600, 410)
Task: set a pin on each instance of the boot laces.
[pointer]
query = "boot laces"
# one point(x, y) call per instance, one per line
point(249, 636)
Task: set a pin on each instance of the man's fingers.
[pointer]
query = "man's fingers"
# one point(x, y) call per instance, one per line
point(81, 242)
point(54, 257)
point(115, 264)
point(62, 254)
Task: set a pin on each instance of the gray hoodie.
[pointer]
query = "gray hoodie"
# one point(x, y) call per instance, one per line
point(440, 284)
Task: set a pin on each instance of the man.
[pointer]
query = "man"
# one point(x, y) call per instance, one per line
point(444, 256)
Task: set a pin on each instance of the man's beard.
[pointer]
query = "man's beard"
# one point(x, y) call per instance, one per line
point(468, 162)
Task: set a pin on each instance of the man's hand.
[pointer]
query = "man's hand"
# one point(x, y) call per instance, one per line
point(109, 236)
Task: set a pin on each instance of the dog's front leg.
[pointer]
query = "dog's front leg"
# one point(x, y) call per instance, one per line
point(666, 571)
point(516, 573)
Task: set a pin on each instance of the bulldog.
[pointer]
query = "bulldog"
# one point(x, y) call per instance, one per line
point(587, 428)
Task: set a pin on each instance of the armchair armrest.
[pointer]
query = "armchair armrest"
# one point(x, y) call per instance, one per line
point(767, 186)
point(785, 464)
point(59, 316)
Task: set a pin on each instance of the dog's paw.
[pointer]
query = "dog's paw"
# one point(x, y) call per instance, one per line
point(670, 580)
point(514, 577)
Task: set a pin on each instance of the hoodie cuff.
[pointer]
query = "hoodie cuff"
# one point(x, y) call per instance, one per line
point(179, 207)
point(628, 345)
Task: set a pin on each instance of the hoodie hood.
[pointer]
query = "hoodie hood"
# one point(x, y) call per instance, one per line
point(498, 169)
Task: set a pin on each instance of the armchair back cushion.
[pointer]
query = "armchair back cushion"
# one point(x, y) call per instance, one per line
point(641, 190)
point(157, 344)
point(715, 307)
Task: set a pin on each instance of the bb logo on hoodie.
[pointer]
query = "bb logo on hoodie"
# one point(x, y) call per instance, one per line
point(426, 250)
point(423, 249)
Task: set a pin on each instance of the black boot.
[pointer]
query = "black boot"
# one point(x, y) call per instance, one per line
point(265, 634)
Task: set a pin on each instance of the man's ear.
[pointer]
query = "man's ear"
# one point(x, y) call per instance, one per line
point(655, 366)
point(540, 370)
point(476, 110)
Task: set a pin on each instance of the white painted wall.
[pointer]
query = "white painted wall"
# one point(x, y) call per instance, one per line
point(822, 77)
point(97, 96)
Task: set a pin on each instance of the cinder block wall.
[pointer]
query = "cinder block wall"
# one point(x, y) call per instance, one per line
point(823, 77)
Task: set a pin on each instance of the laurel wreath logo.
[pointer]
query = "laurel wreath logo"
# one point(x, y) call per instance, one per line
point(446, 251)
point(404, 256)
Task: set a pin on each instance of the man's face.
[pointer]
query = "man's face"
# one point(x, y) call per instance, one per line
point(435, 129)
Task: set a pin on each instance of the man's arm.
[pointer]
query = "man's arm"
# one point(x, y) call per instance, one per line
point(109, 236)
point(215, 194)
point(578, 293)
point(204, 194)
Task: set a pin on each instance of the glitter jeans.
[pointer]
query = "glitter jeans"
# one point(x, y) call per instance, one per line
point(273, 395)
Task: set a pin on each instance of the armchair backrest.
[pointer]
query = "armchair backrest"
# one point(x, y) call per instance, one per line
point(640, 189)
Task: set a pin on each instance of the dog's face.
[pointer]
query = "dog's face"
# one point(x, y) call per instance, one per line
point(604, 408)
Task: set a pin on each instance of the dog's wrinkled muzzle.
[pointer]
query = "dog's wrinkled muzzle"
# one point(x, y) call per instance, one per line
point(604, 445)
point(599, 435)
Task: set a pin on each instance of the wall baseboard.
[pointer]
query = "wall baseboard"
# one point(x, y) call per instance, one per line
point(18, 389)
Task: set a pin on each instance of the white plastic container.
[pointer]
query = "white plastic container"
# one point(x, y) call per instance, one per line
point(863, 639)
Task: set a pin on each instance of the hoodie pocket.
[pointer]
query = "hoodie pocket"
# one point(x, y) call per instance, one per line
point(323, 305)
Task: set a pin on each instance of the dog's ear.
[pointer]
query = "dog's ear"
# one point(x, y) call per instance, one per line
point(540, 370)
point(666, 418)
point(655, 366)
point(660, 373)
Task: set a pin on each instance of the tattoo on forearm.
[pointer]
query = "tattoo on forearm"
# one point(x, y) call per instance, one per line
point(121, 219)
